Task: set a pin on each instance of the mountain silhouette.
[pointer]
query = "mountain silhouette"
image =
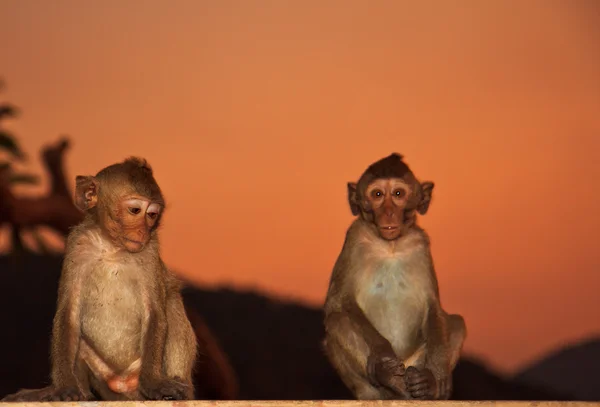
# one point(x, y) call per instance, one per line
point(274, 346)
point(573, 370)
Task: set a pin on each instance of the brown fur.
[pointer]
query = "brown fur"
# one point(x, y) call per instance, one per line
point(120, 330)
point(386, 332)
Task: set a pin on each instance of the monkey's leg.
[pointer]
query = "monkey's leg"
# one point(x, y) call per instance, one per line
point(81, 392)
point(457, 333)
point(69, 373)
point(431, 378)
point(107, 384)
point(30, 395)
point(180, 346)
point(153, 383)
point(348, 352)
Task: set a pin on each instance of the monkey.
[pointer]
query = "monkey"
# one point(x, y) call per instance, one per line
point(120, 331)
point(386, 333)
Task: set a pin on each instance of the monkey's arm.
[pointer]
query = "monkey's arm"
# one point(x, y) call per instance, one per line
point(344, 320)
point(377, 343)
point(154, 333)
point(66, 330)
point(181, 347)
point(438, 351)
point(154, 384)
point(341, 298)
point(352, 340)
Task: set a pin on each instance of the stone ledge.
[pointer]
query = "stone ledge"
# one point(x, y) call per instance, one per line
point(309, 403)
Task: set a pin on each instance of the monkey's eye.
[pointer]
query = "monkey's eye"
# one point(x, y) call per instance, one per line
point(377, 193)
point(399, 193)
point(153, 211)
point(134, 210)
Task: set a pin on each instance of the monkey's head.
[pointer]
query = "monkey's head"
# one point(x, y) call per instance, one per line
point(125, 201)
point(387, 195)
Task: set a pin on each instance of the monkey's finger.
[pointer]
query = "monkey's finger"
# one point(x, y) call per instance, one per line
point(415, 380)
point(388, 362)
point(393, 365)
point(415, 376)
point(174, 391)
point(418, 386)
point(421, 393)
point(178, 393)
point(420, 396)
point(412, 370)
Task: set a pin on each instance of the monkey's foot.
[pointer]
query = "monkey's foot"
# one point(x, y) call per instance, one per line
point(388, 371)
point(166, 389)
point(420, 383)
point(27, 395)
point(68, 394)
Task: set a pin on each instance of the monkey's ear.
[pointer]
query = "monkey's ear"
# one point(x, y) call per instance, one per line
point(427, 191)
point(354, 205)
point(86, 192)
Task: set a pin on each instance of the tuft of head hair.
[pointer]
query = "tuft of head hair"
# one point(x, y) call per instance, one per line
point(138, 162)
point(133, 173)
point(388, 167)
point(391, 166)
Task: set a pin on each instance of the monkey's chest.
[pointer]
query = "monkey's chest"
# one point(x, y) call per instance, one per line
point(112, 312)
point(395, 300)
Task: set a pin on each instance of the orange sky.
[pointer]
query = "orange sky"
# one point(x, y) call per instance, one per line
point(255, 114)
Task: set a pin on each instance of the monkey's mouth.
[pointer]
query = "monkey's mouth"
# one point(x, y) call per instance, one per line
point(133, 246)
point(132, 241)
point(389, 232)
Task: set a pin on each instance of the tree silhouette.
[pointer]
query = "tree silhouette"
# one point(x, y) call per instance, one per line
point(26, 214)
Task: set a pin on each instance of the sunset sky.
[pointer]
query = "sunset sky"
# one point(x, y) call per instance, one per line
point(255, 115)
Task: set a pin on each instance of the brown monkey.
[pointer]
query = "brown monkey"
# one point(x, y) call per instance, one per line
point(386, 332)
point(120, 330)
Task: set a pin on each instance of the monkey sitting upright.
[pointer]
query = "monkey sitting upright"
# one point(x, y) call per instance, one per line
point(387, 335)
point(120, 331)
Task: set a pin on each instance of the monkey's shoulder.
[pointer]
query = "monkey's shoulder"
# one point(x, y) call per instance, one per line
point(403, 267)
point(88, 250)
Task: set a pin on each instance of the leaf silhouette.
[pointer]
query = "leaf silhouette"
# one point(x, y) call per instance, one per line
point(8, 111)
point(8, 143)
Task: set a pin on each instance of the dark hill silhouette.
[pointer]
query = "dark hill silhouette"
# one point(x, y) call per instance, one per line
point(574, 370)
point(274, 346)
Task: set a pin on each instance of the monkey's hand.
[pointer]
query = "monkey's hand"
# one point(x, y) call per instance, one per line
point(385, 369)
point(164, 389)
point(420, 383)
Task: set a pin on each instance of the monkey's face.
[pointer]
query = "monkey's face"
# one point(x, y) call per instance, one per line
point(387, 200)
point(131, 223)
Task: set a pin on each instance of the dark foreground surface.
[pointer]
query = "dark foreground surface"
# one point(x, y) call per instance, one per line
point(274, 347)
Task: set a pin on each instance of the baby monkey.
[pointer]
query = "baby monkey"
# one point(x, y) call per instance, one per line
point(386, 332)
point(120, 331)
